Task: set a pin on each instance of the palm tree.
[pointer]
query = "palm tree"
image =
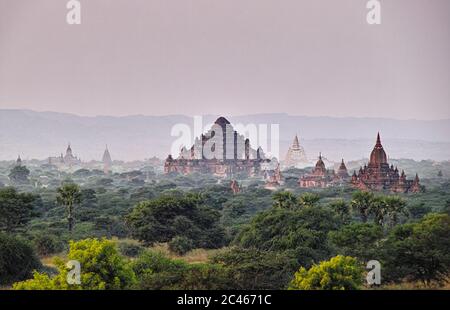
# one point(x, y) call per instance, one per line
point(308, 200)
point(395, 206)
point(69, 195)
point(378, 209)
point(284, 200)
point(341, 208)
point(361, 202)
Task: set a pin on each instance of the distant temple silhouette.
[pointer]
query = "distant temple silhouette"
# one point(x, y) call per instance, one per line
point(67, 160)
point(107, 161)
point(295, 156)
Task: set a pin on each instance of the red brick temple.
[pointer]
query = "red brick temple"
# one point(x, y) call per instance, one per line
point(378, 175)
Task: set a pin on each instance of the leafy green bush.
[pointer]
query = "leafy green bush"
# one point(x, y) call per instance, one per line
point(17, 259)
point(101, 268)
point(130, 249)
point(339, 273)
point(181, 245)
point(46, 244)
point(155, 271)
point(255, 269)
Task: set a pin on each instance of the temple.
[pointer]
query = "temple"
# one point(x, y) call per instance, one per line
point(19, 161)
point(221, 152)
point(378, 175)
point(107, 161)
point(295, 157)
point(321, 177)
point(67, 160)
point(273, 178)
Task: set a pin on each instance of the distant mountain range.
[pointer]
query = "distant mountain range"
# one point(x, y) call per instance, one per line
point(42, 134)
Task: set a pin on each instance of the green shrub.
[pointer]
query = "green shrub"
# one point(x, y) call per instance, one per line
point(181, 245)
point(339, 273)
point(17, 259)
point(101, 268)
point(155, 272)
point(252, 269)
point(47, 245)
point(130, 249)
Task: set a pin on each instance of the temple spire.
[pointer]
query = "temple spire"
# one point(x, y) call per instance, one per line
point(378, 144)
point(295, 143)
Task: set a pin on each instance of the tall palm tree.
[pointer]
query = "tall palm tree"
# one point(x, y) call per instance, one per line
point(361, 202)
point(341, 208)
point(285, 200)
point(378, 209)
point(308, 200)
point(395, 206)
point(69, 195)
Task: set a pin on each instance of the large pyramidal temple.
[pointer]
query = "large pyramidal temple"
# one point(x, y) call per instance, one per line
point(221, 151)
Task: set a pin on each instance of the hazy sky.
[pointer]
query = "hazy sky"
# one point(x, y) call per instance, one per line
point(229, 57)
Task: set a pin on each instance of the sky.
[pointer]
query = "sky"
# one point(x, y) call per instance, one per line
point(228, 57)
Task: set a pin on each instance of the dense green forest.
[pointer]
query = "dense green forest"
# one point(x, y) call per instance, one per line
point(145, 230)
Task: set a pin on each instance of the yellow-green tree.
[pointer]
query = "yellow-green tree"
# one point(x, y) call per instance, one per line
point(101, 268)
point(338, 273)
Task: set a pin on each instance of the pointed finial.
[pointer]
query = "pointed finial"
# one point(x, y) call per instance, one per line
point(295, 143)
point(378, 140)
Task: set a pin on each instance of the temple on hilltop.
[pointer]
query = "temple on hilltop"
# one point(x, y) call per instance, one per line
point(67, 160)
point(321, 177)
point(378, 175)
point(221, 152)
point(295, 156)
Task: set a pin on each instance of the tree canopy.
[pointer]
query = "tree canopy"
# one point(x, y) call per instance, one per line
point(167, 217)
point(16, 209)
